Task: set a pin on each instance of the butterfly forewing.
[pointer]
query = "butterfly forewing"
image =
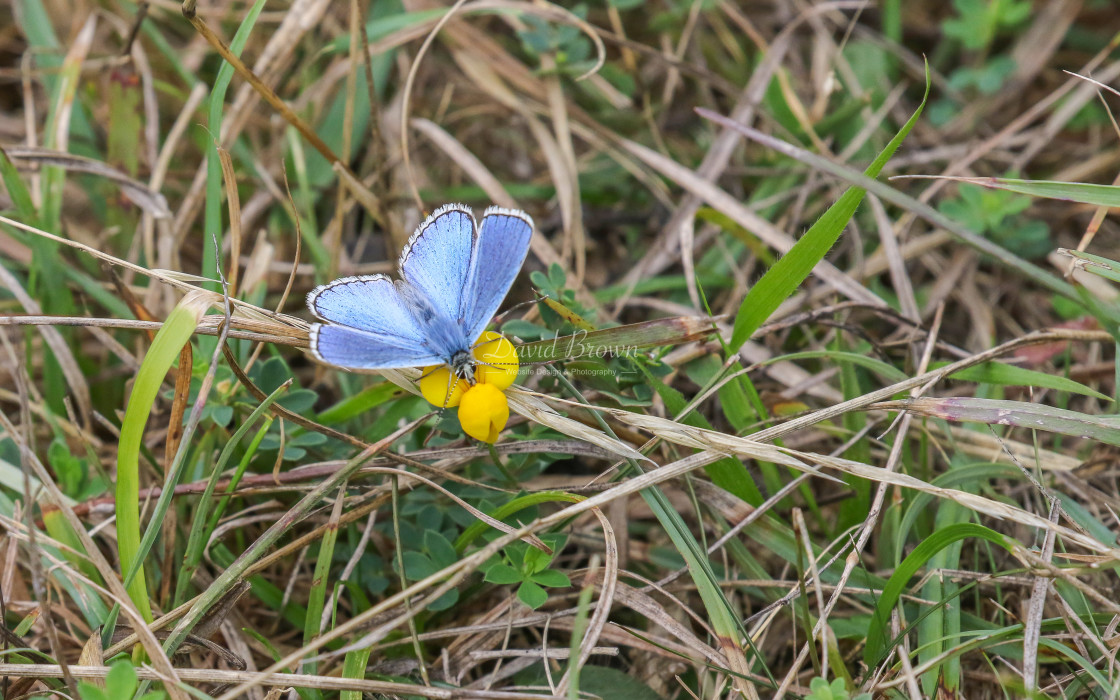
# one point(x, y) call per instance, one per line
point(503, 242)
point(436, 262)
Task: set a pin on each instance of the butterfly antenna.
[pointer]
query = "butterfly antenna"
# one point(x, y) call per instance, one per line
point(497, 340)
point(452, 382)
point(499, 365)
point(501, 318)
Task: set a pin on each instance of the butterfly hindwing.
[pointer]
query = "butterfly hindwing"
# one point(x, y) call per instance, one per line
point(345, 346)
point(503, 243)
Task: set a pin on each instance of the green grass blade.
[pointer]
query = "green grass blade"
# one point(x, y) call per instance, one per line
point(958, 478)
point(888, 372)
point(17, 190)
point(790, 271)
point(200, 531)
point(317, 596)
point(212, 240)
point(511, 507)
point(162, 355)
point(365, 400)
point(880, 620)
point(1081, 192)
point(727, 473)
point(1096, 264)
point(889, 194)
point(354, 666)
point(1010, 375)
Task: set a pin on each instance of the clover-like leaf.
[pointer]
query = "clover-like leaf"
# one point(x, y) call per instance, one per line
point(551, 578)
point(532, 595)
point(502, 574)
point(417, 565)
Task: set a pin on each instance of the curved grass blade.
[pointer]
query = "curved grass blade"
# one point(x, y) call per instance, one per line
point(876, 632)
point(790, 271)
point(163, 353)
point(957, 478)
point(889, 194)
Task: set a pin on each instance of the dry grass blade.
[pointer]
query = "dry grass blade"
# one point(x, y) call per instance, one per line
point(466, 160)
point(117, 592)
point(746, 218)
point(603, 606)
point(529, 405)
point(143, 196)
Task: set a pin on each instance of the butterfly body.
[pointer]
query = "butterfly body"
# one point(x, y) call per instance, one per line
point(454, 274)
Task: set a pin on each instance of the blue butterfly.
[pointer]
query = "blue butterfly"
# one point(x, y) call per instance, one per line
point(454, 275)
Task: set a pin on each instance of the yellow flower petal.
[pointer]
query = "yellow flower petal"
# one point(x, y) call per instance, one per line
point(483, 412)
point(440, 388)
point(497, 360)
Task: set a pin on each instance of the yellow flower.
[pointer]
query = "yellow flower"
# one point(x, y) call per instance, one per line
point(497, 360)
point(440, 388)
point(483, 412)
point(483, 409)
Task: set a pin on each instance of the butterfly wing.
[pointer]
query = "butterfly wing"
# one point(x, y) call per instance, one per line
point(436, 261)
point(503, 243)
point(371, 325)
point(353, 348)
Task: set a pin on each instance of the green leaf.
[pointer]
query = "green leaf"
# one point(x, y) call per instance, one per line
point(1010, 375)
point(445, 601)
point(89, 691)
point(524, 329)
point(551, 578)
point(221, 415)
point(892, 591)
point(417, 566)
point(120, 682)
point(441, 550)
point(612, 684)
point(790, 271)
point(299, 400)
point(532, 595)
point(502, 574)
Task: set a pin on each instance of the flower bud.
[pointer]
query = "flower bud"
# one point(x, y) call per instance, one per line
point(483, 412)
